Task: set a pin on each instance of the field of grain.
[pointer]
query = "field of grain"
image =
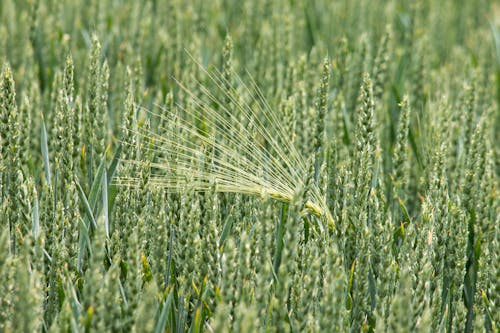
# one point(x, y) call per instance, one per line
point(249, 166)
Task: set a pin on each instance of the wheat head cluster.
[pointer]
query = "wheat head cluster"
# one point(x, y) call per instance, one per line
point(249, 166)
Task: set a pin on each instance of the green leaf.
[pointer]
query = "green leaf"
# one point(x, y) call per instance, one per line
point(96, 187)
point(35, 219)
point(105, 202)
point(404, 210)
point(349, 285)
point(88, 209)
point(71, 296)
point(165, 311)
point(114, 163)
point(83, 244)
point(487, 305)
point(196, 328)
point(45, 154)
point(225, 230)
point(181, 317)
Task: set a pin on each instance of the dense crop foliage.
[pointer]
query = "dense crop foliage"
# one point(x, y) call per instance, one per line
point(249, 166)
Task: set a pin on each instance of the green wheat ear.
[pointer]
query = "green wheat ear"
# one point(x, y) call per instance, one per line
point(240, 146)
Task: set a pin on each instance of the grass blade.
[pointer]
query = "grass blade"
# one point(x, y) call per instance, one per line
point(88, 209)
point(45, 154)
point(105, 202)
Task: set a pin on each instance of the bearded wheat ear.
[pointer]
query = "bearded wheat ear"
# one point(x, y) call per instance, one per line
point(257, 161)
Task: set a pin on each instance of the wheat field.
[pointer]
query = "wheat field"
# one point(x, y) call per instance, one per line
point(249, 166)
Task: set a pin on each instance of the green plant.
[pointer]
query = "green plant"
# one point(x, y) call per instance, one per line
point(271, 166)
